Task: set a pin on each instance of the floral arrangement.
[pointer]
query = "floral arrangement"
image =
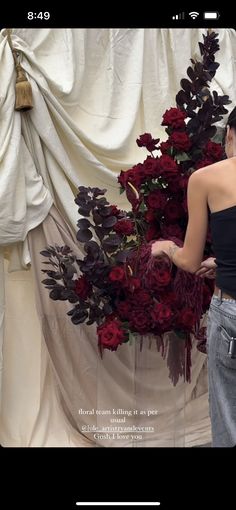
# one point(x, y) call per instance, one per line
point(121, 287)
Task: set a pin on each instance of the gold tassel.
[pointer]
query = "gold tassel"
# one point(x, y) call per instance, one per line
point(24, 96)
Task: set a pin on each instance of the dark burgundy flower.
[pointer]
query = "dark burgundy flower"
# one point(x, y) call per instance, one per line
point(156, 199)
point(187, 318)
point(140, 321)
point(173, 211)
point(150, 215)
point(214, 151)
point(117, 274)
point(110, 334)
point(162, 278)
point(125, 227)
point(165, 147)
point(132, 283)
point(151, 168)
point(172, 230)
point(203, 162)
point(180, 141)
point(169, 298)
point(168, 167)
point(147, 141)
point(162, 314)
point(141, 298)
point(174, 117)
point(114, 210)
point(123, 309)
point(83, 287)
point(152, 232)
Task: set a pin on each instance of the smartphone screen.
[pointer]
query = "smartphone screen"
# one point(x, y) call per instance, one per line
point(103, 122)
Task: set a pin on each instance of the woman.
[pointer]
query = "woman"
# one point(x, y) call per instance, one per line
point(214, 188)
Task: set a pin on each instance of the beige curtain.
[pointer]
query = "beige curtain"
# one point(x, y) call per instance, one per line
point(94, 92)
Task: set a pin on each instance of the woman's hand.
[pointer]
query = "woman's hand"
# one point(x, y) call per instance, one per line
point(207, 268)
point(160, 248)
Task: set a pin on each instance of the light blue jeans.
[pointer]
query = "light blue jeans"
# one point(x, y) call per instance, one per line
point(221, 329)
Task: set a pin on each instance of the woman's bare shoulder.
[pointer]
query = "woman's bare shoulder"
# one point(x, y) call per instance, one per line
point(215, 168)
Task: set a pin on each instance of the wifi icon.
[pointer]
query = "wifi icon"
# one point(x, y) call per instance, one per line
point(194, 14)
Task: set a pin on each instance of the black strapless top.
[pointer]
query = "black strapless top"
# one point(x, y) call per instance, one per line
point(223, 231)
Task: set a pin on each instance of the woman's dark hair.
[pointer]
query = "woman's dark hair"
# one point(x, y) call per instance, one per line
point(231, 122)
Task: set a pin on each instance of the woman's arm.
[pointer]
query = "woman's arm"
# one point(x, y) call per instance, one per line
point(189, 257)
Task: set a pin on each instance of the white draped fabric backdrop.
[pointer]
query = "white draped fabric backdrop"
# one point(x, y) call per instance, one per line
point(95, 91)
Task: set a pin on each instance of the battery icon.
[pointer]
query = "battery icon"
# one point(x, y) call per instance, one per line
point(211, 15)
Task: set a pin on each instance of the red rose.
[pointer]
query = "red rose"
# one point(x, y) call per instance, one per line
point(83, 287)
point(152, 232)
point(162, 278)
point(131, 284)
point(150, 215)
point(180, 141)
point(156, 199)
point(117, 274)
point(187, 318)
point(169, 298)
point(174, 117)
point(183, 182)
point(110, 334)
point(141, 298)
point(165, 147)
point(147, 141)
point(174, 184)
point(140, 321)
point(151, 168)
point(168, 167)
point(114, 210)
point(125, 227)
point(123, 309)
point(173, 211)
point(162, 314)
point(214, 151)
point(172, 230)
point(202, 163)
point(133, 175)
point(157, 276)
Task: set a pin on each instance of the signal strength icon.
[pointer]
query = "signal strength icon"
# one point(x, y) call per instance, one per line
point(194, 14)
point(178, 16)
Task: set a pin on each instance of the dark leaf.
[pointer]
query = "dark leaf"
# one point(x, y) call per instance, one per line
point(83, 224)
point(84, 235)
point(105, 211)
point(49, 281)
point(84, 189)
point(110, 221)
point(112, 240)
point(101, 232)
point(55, 294)
point(65, 250)
point(101, 201)
point(91, 247)
point(97, 218)
point(45, 253)
point(122, 255)
point(107, 309)
point(84, 211)
point(191, 73)
point(181, 98)
point(90, 321)
point(97, 191)
point(186, 85)
point(79, 317)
